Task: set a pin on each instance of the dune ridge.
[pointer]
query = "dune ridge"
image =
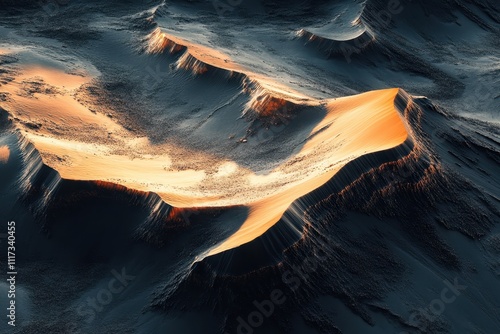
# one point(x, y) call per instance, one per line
point(199, 60)
point(352, 127)
point(341, 46)
point(222, 155)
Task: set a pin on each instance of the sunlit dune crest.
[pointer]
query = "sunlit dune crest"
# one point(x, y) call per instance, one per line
point(159, 42)
point(188, 62)
point(105, 151)
point(197, 57)
point(355, 126)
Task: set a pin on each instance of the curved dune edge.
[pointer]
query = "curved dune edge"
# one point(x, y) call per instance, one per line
point(105, 151)
point(332, 47)
point(364, 34)
point(357, 125)
point(199, 59)
point(339, 37)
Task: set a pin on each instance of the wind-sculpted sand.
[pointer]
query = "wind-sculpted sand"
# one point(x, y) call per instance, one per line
point(208, 167)
point(84, 145)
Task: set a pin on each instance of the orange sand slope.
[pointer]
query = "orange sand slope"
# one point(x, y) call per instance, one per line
point(4, 154)
point(353, 126)
point(84, 145)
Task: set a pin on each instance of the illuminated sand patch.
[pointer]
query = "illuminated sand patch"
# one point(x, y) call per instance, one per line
point(197, 57)
point(4, 154)
point(83, 145)
point(354, 126)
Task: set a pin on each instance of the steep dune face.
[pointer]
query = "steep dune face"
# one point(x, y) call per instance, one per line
point(354, 126)
point(374, 238)
point(355, 41)
point(199, 59)
point(342, 34)
point(106, 151)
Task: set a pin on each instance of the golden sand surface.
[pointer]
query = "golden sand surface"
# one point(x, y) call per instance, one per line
point(84, 145)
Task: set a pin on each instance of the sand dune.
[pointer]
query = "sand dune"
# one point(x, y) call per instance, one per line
point(198, 59)
point(354, 126)
point(108, 152)
point(219, 152)
point(343, 44)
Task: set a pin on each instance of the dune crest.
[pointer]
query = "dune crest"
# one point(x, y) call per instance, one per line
point(338, 45)
point(352, 126)
point(200, 59)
